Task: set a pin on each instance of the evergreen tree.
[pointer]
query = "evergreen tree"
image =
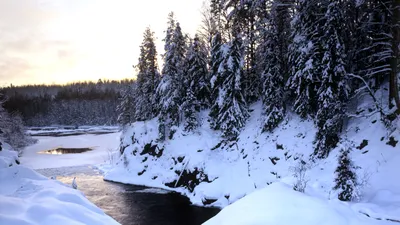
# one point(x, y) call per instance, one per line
point(275, 56)
point(126, 107)
point(333, 89)
point(217, 55)
point(216, 9)
point(394, 95)
point(346, 178)
point(12, 129)
point(196, 82)
point(170, 91)
point(196, 74)
point(147, 79)
point(375, 42)
point(262, 28)
point(305, 56)
point(376, 49)
point(190, 111)
point(241, 15)
point(233, 111)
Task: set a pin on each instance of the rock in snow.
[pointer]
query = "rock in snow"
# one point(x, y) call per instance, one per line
point(74, 185)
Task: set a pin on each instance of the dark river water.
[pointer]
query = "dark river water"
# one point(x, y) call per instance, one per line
point(130, 204)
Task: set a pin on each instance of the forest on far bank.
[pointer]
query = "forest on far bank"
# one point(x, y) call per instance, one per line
point(80, 103)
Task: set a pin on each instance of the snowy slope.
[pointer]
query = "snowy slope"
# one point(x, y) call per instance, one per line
point(279, 204)
point(27, 197)
point(226, 172)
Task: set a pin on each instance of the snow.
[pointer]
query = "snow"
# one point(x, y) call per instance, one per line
point(28, 198)
point(235, 170)
point(154, 191)
point(103, 145)
point(279, 204)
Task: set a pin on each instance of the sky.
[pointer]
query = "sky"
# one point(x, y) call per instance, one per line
point(61, 41)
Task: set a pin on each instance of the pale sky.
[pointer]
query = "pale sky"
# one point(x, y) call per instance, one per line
point(59, 41)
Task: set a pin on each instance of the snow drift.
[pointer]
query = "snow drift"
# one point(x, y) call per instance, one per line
point(27, 197)
point(279, 204)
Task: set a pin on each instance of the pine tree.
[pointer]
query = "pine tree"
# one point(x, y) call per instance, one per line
point(12, 130)
point(375, 42)
point(275, 56)
point(394, 95)
point(233, 111)
point(216, 9)
point(217, 55)
point(333, 89)
point(376, 49)
point(196, 83)
point(262, 28)
point(346, 178)
point(197, 72)
point(170, 91)
point(305, 56)
point(147, 79)
point(190, 111)
point(241, 15)
point(126, 107)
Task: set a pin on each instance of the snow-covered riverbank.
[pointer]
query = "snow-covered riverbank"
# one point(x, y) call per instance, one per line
point(211, 172)
point(27, 197)
point(102, 147)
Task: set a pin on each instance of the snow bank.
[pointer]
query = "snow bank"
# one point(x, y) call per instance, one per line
point(279, 204)
point(225, 172)
point(212, 172)
point(27, 197)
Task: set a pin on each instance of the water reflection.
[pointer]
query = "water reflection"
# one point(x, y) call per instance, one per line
point(60, 151)
point(134, 205)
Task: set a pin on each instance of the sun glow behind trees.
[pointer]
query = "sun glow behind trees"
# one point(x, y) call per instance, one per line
point(67, 41)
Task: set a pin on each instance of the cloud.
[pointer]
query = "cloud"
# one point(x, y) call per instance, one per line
point(26, 50)
point(46, 41)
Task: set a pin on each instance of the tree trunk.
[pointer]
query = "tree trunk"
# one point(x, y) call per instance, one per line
point(393, 89)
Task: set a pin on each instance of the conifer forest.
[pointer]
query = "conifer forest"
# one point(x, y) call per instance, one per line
point(311, 57)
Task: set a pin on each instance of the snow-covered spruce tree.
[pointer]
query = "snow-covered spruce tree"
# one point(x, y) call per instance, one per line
point(12, 129)
point(305, 56)
point(217, 12)
point(262, 26)
point(170, 91)
point(197, 73)
point(233, 111)
point(333, 89)
point(196, 83)
point(241, 15)
point(147, 79)
point(216, 57)
point(125, 108)
point(346, 177)
point(275, 56)
point(190, 109)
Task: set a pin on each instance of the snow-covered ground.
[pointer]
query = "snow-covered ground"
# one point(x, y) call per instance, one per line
point(227, 172)
point(27, 197)
point(279, 204)
point(103, 145)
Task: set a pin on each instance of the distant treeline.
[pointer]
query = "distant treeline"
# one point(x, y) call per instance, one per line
point(82, 103)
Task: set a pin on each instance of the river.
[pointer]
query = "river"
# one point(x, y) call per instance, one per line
point(127, 204)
